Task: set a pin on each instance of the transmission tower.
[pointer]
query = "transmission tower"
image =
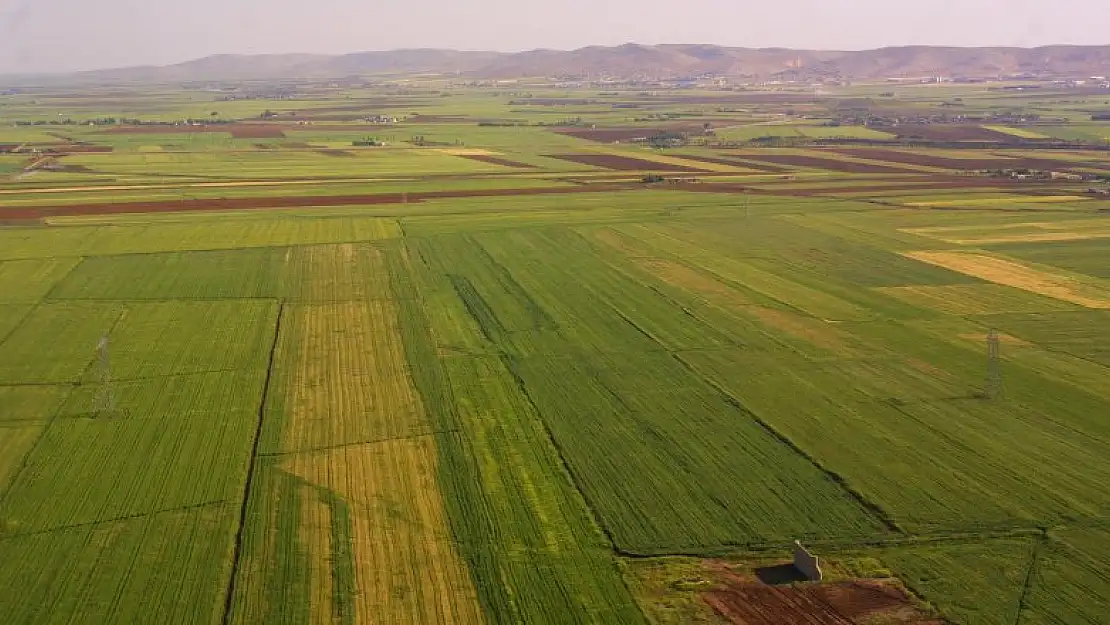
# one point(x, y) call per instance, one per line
point(106, 395)
point(993, 388)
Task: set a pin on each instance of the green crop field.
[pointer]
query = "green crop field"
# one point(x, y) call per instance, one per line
point(489, 372)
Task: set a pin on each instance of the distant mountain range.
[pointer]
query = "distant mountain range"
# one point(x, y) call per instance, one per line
point(632, 61)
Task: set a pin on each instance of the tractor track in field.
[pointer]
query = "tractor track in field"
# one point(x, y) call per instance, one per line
point(237, 554)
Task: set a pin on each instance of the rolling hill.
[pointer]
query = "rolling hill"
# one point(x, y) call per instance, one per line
point(634, 61)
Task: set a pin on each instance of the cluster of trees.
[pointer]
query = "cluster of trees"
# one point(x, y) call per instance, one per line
point(126, 121)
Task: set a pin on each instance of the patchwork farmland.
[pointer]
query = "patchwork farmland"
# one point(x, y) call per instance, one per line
point(475, 367)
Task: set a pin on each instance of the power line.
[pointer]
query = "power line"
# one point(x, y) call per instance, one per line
point(105, 402)
point(993, 388)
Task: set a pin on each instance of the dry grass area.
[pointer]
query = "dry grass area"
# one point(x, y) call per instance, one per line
point(1010, 273)
point(975, 299)
point(814, 331)
point(1026, 232)
point(351, 383)
point(406, 567)
point(337, 272)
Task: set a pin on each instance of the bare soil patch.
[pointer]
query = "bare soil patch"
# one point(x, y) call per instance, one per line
point(736, 162)
point(831, 164)
point(840, 603)
point(951, 132)
point(256, 131)
point(959, 164)
point(296, 145)
point(337, 153)
point(622, 163)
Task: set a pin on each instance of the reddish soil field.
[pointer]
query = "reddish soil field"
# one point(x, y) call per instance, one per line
point(831, 164)
point(734, 162)
point(497, 161)
point(622, 163)
point(611, 135)
point(951, 132)
point(765, 188)
point(841, 603)
point(739, 162)
point(245, 203)
point(968, 164)
point(256, 131)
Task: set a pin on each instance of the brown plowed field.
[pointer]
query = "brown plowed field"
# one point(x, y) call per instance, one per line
point(246, 203)
point(959, 164)
point(830, 164)
point(841, 603)
point(622, 163)
point(493, 160)
point(256, 131)
point(764, 188)
point(771, 169)
point(950, 132)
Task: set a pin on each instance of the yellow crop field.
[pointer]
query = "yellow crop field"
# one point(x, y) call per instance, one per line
point(1026, 232)
point(349, 381)
point(1017, 132)
point(1010, 273)
point(406, 567)
point(336, 272)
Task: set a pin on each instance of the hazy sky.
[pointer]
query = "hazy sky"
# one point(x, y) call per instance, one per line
point(57, 35)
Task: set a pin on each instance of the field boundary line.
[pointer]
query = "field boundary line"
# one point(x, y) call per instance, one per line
point(873, 508)
point(5, 488)
point(21, 323)
point(54, 287)
point(309, 450)
point(129, 517)
point(237, 553)
point(574, 482)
